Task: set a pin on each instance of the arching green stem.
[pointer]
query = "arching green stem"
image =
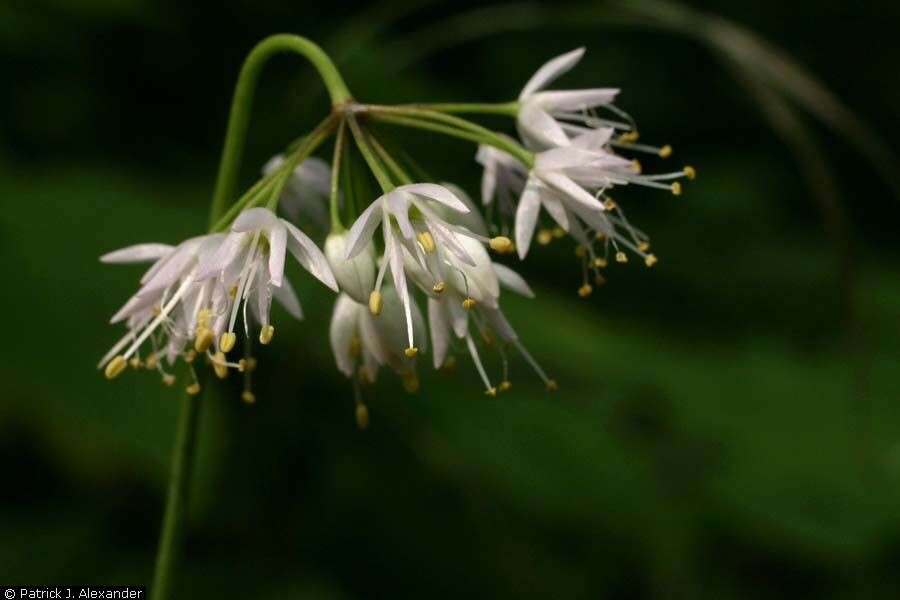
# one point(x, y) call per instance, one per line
point(510, 109)
point(334, 196)
point(241, 104)
point(384, 180)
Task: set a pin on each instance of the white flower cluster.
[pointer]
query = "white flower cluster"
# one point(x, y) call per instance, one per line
point(432, 239)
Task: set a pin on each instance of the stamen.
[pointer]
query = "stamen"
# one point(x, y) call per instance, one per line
point(665, 151)
point(152, 361)
point(439, 287)
point(644, 246)
point(205, 338)
point(676, 188)
point(362, 416)
point(411, 382)
point(469, 303)
point(226, 341)
point(585, 290)
point(544, 237)
point(266, 334)
point(219, 366)
point(533, 363)
point(411, 352)
point(650, 260)
point(473, 352)
point(190, 356)
point(248, 397)
point(505, 385)
point(600, 262)
point(426, 241)
point(193, 389)
point(135, 362)
point(501, 244)
point(375, 302)
point(115, 367)
point(621, 257)
point(551, 385)
point(558, 232)
point(168, 379)
point(690, 172)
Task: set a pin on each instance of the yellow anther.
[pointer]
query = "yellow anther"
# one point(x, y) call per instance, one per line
point(439, 287)
point(375, 302)
point(152, 361)
point(599, 263)
point(232, 292)
point(544, 237)
point(266, 334)
point(355, 347)
point(203, 318)
point(551, 385)
point(226, 341)
point(665, 151)
point(600, 236)
point(644, 246)
point(219, 365)
point(411, 383)
point(135, 363)
point(115, 367)
point(411, 352)
point(364, 376)
point(505, 385)
point(205, 338)
point(501, 244)
point(248, 397)
point(609, 204)
point(156, 310)
point(585, 290)
point(251, 363)
point(676, 188)
point(193, 389)
point(362, 416)
point(690, 172)
point(427, 241)
point(168, 380)
point(599, 280)
point(580, 251)
point(449, 365)
point(637, 167)
point(190, 356)
point(621, 257)
point(469, 303)
point(629, 137)
point(650, 260)
point(492, 392)
point(558, 232)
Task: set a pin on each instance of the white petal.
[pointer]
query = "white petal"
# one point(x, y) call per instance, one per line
point(215, 262)
point(263, 297)
point(356, 277)
point(309, 256)
point(595, 139)
point(499, 324)
point(287, 297)
point(526, 218)
point(277, 247)
point(512, 281)
point(253, 219)
point(341, 331)
point(555, 209)
point(439, 324)
point(362, 230)
point(550, 71)
point(397, 204)
point(575, 100)
point(137, 253)
point(572, 191)
point(539, 129)
point(437, 193)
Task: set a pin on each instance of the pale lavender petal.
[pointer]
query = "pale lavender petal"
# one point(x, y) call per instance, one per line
point(526, 218)
point(550, 70)
point(512, 280)
point(309, 256)
point(137, 253)
point(362, 230)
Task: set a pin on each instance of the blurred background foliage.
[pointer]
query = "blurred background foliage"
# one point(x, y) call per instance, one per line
point(727, 424)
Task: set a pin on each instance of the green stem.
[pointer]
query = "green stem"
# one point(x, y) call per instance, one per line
point(495, 140)
point(510, 109)
point(375, 166)
point(336, 225)
point(399, 173)
point(309, 145)
point(241, 104)
point(176, 500)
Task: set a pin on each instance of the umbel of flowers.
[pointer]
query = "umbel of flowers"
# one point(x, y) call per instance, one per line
point(207, 301)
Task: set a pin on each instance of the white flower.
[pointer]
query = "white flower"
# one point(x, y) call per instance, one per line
point(409, 223)
point(355, 276)
point(447, 319)
point(161, 310)
point(547, 119)
point(307, 191)
point(362, 342)
point(249, 265)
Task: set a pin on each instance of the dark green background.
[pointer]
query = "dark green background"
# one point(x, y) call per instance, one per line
point(727, 424)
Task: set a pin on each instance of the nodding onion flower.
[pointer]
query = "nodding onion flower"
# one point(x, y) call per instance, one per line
point(196, 290)
point(410, 225)
point(433, 237)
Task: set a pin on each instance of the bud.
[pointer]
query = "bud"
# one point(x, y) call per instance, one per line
point(356, 276)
